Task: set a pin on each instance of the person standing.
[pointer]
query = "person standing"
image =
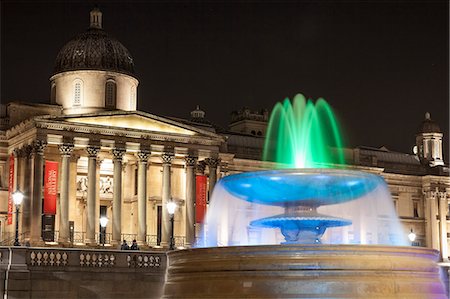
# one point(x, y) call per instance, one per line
point(134, 245)
point(124, 245)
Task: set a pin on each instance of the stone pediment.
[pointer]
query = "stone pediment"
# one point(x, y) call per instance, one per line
point(132, 121)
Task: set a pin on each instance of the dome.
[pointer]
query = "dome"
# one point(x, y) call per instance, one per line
point(428, 125)
point(94, 50)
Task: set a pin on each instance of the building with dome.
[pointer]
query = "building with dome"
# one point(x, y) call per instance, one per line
point(89, 153)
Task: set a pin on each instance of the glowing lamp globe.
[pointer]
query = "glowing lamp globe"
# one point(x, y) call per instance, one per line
point(18, 198)
point(103, 221)
point(171, 206)
point(412, 236)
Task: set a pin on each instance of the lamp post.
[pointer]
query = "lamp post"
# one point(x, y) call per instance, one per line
point(103, 223)
point(171, 206)
point(412, 237)
point(17, 198)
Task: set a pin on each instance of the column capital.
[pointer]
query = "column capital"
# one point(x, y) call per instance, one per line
point(434, 193)
point(38, 146)
point(190, 160)
point(143, 155)
point(66, 149)
point(93, 151)
point(26, 151)
point(224, 167)
point(118, 153)
point(17, 152)
point(201, 165)
point(212, 162)
point(167, 158)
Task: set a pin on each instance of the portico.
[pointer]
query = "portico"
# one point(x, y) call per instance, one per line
point(127, 174)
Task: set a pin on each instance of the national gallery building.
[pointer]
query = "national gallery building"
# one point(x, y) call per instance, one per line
point(88, 153)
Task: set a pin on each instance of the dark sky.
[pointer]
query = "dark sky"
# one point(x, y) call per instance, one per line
point(380, 64)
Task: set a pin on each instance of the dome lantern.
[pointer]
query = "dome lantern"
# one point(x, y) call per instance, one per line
point(96, 18)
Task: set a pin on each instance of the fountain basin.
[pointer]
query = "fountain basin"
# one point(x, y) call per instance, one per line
point(300, 187)
point(304, 271)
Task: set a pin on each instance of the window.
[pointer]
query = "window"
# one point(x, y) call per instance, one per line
point(135, 181)
point(53, 94)
point(110, 94)
point(133, 98)
point(416, 209)
point(78, 92)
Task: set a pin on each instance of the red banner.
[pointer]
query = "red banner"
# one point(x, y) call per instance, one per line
point(51, 187)
point(200, 198)
point(10, 189)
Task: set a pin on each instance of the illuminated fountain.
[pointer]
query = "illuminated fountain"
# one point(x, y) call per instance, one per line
point(316, 214)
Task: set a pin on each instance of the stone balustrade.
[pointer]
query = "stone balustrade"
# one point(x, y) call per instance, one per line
point(28, 272)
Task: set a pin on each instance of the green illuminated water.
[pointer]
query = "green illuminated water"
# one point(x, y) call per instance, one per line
point(302, 134)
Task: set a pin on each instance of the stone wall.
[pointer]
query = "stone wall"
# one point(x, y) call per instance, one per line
point(81, 273)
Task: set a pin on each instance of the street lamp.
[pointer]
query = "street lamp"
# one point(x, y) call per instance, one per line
point(103, 223)
point(171, 206)
point(18, 199)
point(412, 237)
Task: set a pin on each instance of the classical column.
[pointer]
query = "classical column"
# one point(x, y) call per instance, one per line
point(190, 200)
point(17, 154)
point(117, 196)
point(443, 203)
point(166, 196)
point(212, 165)
point(432, 198)
point(36, 200)
point(223, 170)
point(26, 167)
point(92, 152)
point(65, 150)
point(142, 197)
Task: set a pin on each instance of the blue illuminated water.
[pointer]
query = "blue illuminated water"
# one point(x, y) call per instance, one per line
point(293, 187)
point(302, 206)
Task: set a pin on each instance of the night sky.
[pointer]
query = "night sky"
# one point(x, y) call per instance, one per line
point(380, 64)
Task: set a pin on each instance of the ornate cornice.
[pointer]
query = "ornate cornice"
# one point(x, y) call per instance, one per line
point(134, 134)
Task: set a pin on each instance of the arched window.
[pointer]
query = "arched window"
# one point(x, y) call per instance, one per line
point(110, 94)
point(53, 94)
point(78, 92)
point(133, 98)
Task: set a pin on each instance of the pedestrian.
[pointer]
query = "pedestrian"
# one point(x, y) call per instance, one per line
point(124, 245)
point(134, 245)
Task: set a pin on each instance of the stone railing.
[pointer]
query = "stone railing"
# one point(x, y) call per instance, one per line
point(69, 272)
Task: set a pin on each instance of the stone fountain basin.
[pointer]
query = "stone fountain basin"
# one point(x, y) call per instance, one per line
point(304, 271)
point(306, 187)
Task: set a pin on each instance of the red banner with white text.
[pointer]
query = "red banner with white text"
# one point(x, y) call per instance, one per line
point(10, 189)
point(51, 187)
point(200, 198)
